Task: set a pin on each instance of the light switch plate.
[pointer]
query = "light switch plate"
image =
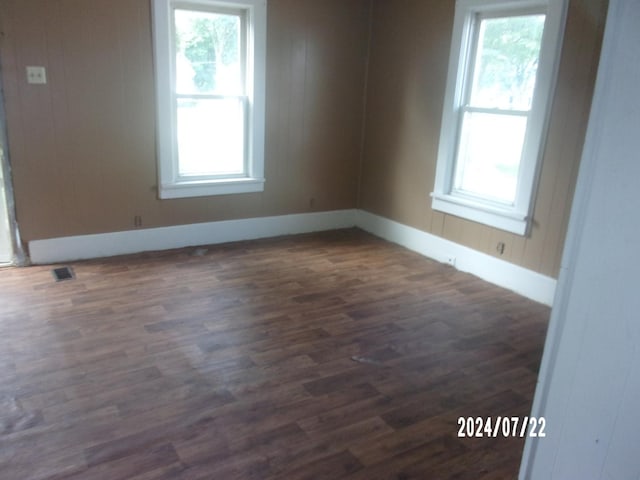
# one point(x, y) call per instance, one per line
point(36, 75)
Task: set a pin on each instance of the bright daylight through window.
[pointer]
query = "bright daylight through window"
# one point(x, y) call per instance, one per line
point(210, 96)
point(501, 72)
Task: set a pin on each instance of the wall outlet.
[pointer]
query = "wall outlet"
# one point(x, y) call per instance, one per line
point(451, 260)
point(36, 75)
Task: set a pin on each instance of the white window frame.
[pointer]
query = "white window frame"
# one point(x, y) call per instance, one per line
point(170, 183)
point(515, 218)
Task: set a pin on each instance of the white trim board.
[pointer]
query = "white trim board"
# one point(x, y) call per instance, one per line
point(81, 247)
point(499, 272)
point(525, 282)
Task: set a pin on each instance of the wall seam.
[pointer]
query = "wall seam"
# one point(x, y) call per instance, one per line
point(365, 92)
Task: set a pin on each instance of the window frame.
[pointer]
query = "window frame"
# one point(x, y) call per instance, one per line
point(516, 217)
point(170, 183)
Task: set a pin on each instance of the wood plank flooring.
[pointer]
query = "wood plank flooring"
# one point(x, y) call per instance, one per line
point(326, 356)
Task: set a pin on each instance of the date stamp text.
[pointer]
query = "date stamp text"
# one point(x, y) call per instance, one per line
point(490, 427)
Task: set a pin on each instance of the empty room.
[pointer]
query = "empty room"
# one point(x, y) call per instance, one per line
point(420, 266)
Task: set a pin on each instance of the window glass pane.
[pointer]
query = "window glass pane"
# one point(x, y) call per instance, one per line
point(208, 53)
point(210, 136)
point(506, 62)
point(489, 155)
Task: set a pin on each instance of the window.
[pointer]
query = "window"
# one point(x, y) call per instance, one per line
point(501, 72)
point(210, 76)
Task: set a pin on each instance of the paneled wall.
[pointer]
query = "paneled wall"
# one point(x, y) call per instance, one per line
point(406, 83)
point(83, 146)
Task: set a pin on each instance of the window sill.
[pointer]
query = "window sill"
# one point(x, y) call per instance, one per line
point(494, 216)
point(206, 188)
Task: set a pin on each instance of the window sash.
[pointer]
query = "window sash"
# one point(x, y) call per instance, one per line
point(177, 95)
point(212, 9)
point(459, 169)
point(496, 111)
point(244, 173)
point(471, 64)
point(475, 26)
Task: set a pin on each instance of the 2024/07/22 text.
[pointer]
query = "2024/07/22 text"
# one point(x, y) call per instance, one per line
point(490, 427)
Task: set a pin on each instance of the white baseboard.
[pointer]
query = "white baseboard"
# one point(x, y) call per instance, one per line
point(55, 250)
point(526, 282)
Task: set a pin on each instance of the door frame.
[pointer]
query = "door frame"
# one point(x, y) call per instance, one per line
point(19, 257)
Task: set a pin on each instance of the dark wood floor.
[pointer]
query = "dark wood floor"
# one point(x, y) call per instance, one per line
point(325, 356)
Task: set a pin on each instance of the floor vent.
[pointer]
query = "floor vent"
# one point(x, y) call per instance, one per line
point(62, 273)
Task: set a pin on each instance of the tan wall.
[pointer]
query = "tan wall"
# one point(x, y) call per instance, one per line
point(83, 146)
point(406, 83)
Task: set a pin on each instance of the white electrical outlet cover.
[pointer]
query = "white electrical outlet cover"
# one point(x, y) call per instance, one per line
point(36, 75)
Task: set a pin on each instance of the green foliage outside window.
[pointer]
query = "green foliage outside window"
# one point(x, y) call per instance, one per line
point(209, 41)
